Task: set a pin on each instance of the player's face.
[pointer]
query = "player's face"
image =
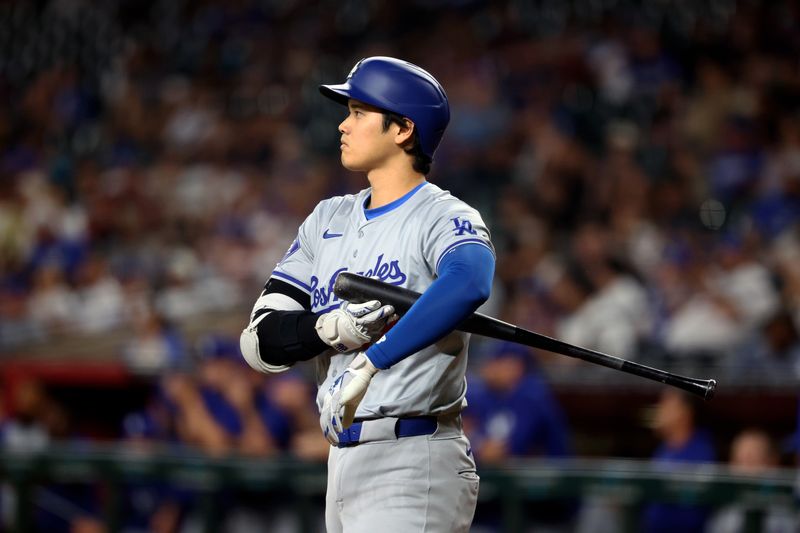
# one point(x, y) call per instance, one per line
point(364, 144)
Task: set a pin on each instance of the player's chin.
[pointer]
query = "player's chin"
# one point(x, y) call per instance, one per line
point(351, 163)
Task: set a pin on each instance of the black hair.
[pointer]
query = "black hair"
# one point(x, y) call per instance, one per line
point(421, 162)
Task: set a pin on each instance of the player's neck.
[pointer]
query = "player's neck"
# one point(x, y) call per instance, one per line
point(388, 184)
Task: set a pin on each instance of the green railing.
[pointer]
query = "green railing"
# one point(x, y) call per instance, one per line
point(625, 483)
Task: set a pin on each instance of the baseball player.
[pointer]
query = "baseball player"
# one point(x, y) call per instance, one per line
point(390, 403)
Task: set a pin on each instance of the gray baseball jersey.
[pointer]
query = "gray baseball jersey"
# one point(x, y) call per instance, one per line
point(402, 245)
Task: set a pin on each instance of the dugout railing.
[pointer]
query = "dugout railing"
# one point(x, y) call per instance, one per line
point(625, 485)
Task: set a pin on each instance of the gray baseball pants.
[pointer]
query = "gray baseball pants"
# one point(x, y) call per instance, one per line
point(426, 483)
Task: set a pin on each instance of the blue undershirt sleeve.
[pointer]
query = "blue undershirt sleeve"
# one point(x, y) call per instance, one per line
point(464, 283)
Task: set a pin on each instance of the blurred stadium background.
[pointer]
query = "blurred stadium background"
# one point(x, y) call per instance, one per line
point(638, 163)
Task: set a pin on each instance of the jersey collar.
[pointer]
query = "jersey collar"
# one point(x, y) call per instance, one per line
point(370, 214)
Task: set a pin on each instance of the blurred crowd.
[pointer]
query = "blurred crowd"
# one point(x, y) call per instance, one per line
point(638, 164)
point(222, 408)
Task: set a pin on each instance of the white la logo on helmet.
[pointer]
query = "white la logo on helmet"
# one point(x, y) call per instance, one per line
point(354, 69)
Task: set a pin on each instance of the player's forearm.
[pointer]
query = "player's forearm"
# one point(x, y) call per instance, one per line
point(286, 337)
point(464, 283)
point(281, 330)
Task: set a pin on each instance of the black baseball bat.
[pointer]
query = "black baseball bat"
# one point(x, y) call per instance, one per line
point(359, 289)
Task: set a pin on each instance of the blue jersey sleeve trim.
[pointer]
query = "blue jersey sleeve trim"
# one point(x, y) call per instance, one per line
point(329, 308)
point(465, 283)
point(459, 243)
point(290, 279)
point(378, 211)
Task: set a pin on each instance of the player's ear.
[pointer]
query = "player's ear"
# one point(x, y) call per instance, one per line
point(405, 132)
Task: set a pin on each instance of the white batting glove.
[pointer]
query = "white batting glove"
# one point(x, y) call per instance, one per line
point(353, 325)
point(343, 397)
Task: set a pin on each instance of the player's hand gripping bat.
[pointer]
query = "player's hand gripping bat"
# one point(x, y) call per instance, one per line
point(359, 289)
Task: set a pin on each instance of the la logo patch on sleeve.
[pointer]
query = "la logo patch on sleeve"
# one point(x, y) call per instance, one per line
point(462, 227)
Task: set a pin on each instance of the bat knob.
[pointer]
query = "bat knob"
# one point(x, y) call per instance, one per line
point(711, 387)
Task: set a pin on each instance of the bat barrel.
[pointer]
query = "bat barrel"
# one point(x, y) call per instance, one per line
point(360, 289)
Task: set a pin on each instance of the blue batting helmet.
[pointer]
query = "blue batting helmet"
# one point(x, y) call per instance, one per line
point(400, 87)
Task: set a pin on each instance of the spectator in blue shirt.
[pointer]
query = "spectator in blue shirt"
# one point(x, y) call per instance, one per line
point(512, 413)
point(232, 400)
point(511, 410)
point(683, 440)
